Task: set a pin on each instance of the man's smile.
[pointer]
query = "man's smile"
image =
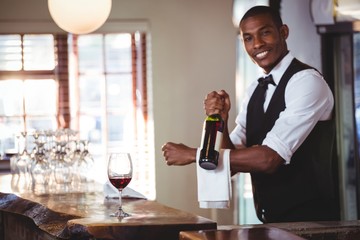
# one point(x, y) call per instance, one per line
point(261, 55)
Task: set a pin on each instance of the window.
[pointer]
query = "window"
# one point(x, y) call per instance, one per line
point(109, 102)
point(28, 90)
point(95, 84)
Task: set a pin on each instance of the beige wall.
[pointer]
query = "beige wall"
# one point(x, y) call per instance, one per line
point(193, 49)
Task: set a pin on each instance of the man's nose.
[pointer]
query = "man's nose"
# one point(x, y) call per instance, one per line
point(258, 42)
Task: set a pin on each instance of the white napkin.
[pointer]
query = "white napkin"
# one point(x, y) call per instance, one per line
point(111, 192)
point(214, 186)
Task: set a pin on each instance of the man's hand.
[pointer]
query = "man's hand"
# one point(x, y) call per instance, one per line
point(178, 154)
point(217, 103)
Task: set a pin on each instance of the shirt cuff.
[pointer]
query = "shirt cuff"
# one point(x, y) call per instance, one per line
point(278, 147)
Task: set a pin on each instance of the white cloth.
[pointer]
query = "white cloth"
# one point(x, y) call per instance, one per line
point(111, 192)
point(214, 186)
point(308, 100)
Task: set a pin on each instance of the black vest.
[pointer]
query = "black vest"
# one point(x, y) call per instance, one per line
point(309, 176)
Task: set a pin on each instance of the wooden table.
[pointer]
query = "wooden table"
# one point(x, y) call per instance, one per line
point(245, 233)
point(85, 215)
point(335, 230)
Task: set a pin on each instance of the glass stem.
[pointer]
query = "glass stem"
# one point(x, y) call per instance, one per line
point(120, 200)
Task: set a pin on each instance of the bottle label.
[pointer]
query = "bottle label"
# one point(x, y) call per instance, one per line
point(218, 141)
point(203, 135)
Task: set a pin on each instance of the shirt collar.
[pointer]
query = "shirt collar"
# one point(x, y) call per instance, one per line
point(278, 71)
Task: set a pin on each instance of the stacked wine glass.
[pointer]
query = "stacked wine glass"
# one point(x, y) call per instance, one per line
point(57, 161)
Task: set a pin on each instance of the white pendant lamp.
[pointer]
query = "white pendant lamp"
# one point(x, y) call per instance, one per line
point(79, 16)
point(241, 6)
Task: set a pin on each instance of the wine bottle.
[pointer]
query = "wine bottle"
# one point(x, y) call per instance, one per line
point(211, 141)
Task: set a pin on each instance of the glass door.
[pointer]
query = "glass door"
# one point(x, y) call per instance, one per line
point(346, 140)
point(341, 68)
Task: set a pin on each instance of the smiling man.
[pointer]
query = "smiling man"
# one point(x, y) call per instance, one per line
point(284, 134)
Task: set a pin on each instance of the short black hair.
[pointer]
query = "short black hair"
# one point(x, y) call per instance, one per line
point(260, 9)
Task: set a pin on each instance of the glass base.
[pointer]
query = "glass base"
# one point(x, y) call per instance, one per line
point(120, 214)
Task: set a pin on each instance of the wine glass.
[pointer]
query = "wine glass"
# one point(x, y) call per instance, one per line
point(120, 174)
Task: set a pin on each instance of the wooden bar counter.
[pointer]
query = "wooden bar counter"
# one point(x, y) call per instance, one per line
point(336, 230)
point(84, 214)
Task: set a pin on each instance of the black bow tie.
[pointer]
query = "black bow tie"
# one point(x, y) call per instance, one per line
point(264, 82)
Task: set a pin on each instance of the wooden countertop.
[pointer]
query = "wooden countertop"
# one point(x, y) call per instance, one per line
point(334, 230)
point(245, 233)
point(85, 214)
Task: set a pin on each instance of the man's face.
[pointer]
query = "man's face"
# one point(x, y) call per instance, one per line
point(264, 41)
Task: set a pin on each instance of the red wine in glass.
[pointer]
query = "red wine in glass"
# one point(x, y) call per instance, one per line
point(120, 174)
point(120, 182)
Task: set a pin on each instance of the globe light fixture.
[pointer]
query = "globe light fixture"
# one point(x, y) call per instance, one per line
point(79, 16)
point(241, 6)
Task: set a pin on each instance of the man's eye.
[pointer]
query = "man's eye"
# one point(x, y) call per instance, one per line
point(247, 39)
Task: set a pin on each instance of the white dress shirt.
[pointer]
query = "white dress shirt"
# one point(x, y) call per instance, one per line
point(308, 99)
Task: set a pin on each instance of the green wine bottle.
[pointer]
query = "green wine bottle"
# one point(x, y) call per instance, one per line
point(211, 141)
